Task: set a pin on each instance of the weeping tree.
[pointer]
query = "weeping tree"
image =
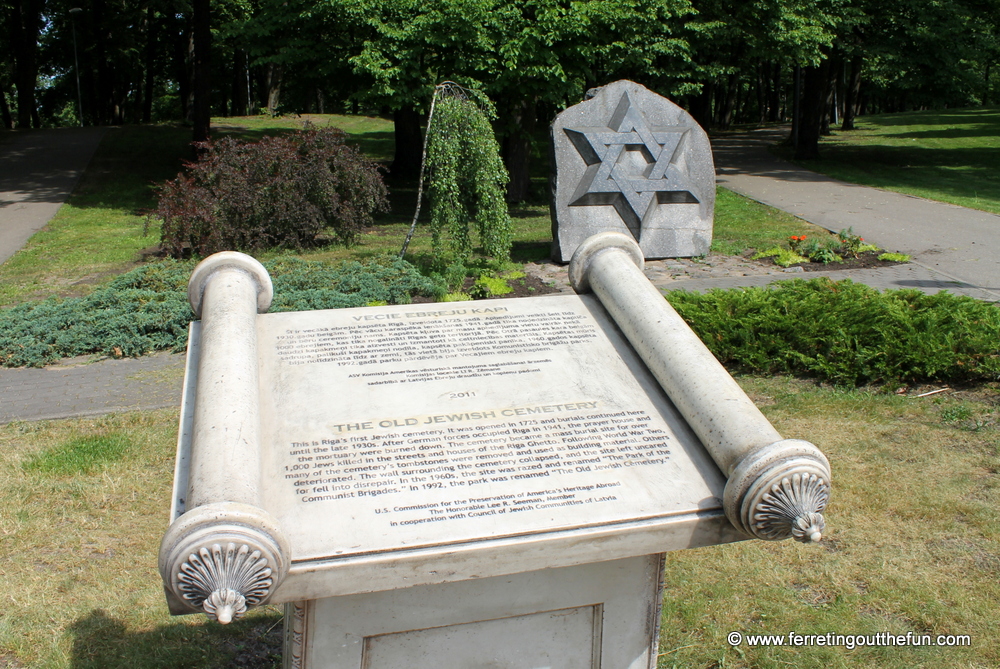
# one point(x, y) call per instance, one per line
point(466, 179)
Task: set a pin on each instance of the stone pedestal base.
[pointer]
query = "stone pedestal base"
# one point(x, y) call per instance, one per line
point(603, 615)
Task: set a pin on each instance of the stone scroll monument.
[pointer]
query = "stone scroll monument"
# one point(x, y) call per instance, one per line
point(460, 485)
point(631, 161)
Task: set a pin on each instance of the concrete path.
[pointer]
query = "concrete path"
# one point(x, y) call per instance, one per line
point(952, 243)
point(38, 171)
point(75, 388)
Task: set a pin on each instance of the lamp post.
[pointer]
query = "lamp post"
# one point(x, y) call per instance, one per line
point(76, 62)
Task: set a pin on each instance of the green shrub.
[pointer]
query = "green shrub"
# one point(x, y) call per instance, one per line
point(466, 180)
point(147, 310)
point(782, 257)
point(487, 286)
point(816, 252)
point(894, 257)
point(847, 333)
point(278, 192)
point(301, 285)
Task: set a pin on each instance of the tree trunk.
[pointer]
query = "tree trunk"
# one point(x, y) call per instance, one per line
point(814, 104)
point(516, 149)
point(104, 110)
point(150, 65)
point(8, 120)
point(796, 105)
point(25, 24)
point(762, 92)
point(774, 105)
point(272, 85)
point(831, 87)
point(240, 95)
point(701, 107)
point(180, 40)
point(729, 101)
point(189, 71)
point(409, 144)
point(986, 85)
point(852, 94)
point(832, 65)
point(202, 70)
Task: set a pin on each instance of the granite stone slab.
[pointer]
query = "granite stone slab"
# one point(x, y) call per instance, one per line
point(628, 160)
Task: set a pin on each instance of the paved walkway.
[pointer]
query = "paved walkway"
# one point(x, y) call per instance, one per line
point(75, 388)
point(954, 249)
point(957, 247)
point(38, 171)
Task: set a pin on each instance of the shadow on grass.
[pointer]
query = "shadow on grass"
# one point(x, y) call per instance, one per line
point(980, 158)
point(967, 131)
point(378, 145)
point(133, 160)
point(985, 114)
point(101, 641)
point(522, 252)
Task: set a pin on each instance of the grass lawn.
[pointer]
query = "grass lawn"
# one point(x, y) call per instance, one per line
point(100, 232)
point(951, 155)
point(913, 544)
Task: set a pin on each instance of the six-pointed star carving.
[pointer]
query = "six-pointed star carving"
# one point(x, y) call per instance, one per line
point(630, 165)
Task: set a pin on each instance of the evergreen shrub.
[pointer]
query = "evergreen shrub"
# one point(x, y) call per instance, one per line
point(847, 333)
point(280, 192)
point(467, 180)
point(147, 310)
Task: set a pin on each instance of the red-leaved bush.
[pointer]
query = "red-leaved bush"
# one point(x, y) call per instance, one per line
point(278, 192)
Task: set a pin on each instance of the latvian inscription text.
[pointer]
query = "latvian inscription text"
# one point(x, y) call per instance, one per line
point(374, 339)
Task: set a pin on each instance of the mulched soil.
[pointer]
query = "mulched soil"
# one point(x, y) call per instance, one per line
point(867, 260)
point(529, 286)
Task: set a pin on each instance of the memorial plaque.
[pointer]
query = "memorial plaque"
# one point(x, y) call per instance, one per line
point(409, 426)
point(327, 454)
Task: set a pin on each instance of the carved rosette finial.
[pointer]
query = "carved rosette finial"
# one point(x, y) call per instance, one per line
point(793, 506)
point(224, 581)
point(780, 491)
point(222, 558)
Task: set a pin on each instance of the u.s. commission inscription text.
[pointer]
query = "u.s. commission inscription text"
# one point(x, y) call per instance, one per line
point(408, 426)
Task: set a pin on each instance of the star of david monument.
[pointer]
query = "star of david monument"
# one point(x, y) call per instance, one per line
point(631, 161)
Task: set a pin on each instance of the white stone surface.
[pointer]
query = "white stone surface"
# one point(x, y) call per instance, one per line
point(727, 421)
point(631, 161)
point(603, 615)
point(223, 553)
point(777, 488)
point(432, 443)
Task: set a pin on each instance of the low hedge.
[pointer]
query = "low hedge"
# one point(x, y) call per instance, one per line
point(841, 332)
point(847, 333)
point(147, 310)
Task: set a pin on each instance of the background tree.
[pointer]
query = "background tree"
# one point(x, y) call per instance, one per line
point(727, 61)
point(24, 22)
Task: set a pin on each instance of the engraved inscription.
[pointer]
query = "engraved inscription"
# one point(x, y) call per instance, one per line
point(464, 451)
point(419, 425)
point(411, 339)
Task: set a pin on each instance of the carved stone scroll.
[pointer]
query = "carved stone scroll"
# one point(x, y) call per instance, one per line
point(225, 553)
point(777, 488)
